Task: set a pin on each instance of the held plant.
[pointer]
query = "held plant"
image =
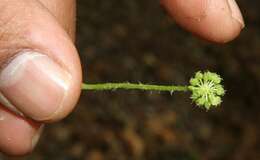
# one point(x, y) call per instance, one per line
point(206, 89)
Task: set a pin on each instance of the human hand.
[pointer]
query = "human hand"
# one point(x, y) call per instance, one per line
point(40, 70)
point(214, 20)
point(40, 73)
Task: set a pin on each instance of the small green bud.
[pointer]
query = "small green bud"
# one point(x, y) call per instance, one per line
point(206, 89)
point(194, 81)
point(215, 100)
point(219, 90)
point(201, 101)
point(208, 76)
point(199, 75)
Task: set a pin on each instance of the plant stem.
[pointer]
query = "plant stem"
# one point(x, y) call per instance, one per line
point(133, 86)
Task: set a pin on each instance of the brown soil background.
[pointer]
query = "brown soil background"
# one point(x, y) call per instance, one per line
point(133, 40)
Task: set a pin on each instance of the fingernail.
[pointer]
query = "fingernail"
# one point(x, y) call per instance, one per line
point(34, 84)
point(37, 136)
point(235, 12)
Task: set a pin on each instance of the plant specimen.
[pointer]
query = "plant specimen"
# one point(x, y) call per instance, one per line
point(205, 87)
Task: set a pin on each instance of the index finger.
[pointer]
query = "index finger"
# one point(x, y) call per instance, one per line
point(215, 20)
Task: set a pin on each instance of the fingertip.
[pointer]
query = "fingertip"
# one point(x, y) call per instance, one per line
point(17, 133)
point(217, 21)
point(60, 48)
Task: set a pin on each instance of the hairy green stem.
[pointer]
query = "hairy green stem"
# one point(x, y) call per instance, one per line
point(206, 88)
point(134, 86)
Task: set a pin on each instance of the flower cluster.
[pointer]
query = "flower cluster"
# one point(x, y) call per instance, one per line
point(206, 89)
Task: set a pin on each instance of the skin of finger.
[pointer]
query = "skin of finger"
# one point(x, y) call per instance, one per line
point(61, 9)
point(10, 142)
point(16, 133)
point(35, 28)
point(208, 19)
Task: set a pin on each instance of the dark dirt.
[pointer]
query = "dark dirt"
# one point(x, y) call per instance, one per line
point(133, 40)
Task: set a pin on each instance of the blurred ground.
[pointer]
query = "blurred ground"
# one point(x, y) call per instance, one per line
point(133, 40)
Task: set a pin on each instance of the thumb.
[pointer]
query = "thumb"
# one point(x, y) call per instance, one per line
point(40, 73)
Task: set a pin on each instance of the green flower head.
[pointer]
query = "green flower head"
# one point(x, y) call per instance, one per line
point(206, 89)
